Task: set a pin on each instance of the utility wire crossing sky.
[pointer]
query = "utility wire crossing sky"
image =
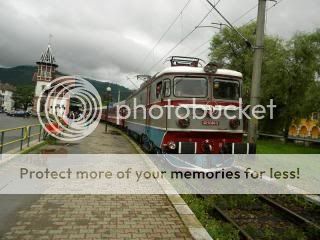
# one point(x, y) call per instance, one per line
point(110, 40)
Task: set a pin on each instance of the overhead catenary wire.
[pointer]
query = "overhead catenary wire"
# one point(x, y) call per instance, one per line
point(236, 20)
point(198, 47)
point(230, 24)
point(269, 8)
point(204, 43)
point(201, 53)
point(132, 82)
point(181, 41)
point(164, 34)
point(245, 13)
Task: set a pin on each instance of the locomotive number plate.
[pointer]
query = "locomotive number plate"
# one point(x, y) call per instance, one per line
point(210, 123)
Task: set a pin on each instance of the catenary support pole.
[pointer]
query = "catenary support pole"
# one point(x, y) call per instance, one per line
point(256, 74)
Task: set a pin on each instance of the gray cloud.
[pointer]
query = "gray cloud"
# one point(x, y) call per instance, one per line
point(108, 39)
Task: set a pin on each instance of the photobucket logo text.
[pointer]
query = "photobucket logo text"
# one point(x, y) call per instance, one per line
point(172, 109)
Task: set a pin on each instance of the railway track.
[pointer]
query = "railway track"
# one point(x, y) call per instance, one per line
point(263, 217)
point(282, 217)
point(299, 210)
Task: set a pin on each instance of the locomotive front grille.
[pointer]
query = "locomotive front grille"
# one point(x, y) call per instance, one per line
point(187, 147)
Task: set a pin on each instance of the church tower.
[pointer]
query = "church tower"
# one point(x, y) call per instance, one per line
point(45, 74)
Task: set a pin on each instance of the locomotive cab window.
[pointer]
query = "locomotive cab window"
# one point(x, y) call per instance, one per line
point(167, 88)
point(190, 87)
point(226, 89)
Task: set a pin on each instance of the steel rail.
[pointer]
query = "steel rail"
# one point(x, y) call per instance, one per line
point(243, 233)
point(293, 215)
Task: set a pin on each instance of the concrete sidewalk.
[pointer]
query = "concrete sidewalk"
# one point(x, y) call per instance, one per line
point(98, 216)
point(96, 143)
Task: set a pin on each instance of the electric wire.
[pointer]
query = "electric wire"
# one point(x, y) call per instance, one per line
point(164, 34)
point(272, 6)
point(181, 41)
point(235, 21)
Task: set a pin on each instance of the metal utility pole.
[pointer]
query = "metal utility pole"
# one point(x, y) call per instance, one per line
point(256, 74)
point(109, 99)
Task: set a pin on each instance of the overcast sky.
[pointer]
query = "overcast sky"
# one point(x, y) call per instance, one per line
point(107, 39)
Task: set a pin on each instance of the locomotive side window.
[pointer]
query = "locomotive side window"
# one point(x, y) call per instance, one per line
point(167, 88)
point(226, 89)
point(190, 87)
point(158, 90)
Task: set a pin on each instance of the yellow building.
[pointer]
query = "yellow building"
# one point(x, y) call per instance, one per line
point(306, 128)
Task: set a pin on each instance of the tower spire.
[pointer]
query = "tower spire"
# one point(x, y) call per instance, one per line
point(47, 57)
point(50, 38)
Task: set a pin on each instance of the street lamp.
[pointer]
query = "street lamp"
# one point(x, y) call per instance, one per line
point(109, 97)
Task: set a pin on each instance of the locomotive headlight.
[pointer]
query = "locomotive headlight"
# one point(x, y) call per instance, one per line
point(184, 122)
point(172, 145)
point(206, 147)
point(234, 123)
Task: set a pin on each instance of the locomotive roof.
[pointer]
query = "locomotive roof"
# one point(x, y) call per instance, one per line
point(188, 70)
point(183, 69)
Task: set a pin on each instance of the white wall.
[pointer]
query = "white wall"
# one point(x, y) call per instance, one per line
point(39, 87)
point(8, 103)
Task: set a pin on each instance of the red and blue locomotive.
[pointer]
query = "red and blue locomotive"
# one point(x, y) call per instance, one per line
point(171, 100)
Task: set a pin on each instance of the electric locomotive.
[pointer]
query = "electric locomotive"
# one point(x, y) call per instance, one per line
point(173, 97)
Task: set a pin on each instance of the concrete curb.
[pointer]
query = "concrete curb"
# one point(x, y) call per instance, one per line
point(197, 231)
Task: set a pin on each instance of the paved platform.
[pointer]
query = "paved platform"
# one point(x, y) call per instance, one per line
point(98, 216)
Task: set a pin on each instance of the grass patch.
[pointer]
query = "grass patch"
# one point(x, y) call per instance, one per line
point(34, 148)
point(278, 147)
point(216, 228)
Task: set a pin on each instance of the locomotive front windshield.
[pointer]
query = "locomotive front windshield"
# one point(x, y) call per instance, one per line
point(226, 89)
point(190, 87)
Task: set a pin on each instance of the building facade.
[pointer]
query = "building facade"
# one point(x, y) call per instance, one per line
point(44, 78)
point(306, 128)
point(6, 97)
point(45, 74)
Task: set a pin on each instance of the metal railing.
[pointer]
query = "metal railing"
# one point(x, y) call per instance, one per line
point(26, 134)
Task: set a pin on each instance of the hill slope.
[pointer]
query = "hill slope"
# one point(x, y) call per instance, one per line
point(22, 76)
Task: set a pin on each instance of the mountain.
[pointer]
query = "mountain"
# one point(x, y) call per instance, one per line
point(22, 76)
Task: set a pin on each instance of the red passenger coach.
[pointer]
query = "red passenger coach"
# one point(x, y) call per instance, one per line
point(114, 114)
point(177, 96)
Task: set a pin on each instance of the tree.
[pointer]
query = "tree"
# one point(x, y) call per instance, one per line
point(23, 96)
point(302, 65)
point(288, 70)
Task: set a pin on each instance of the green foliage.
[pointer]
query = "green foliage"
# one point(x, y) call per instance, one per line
point(23, 96)
point(312, 99)
point(288, 72)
